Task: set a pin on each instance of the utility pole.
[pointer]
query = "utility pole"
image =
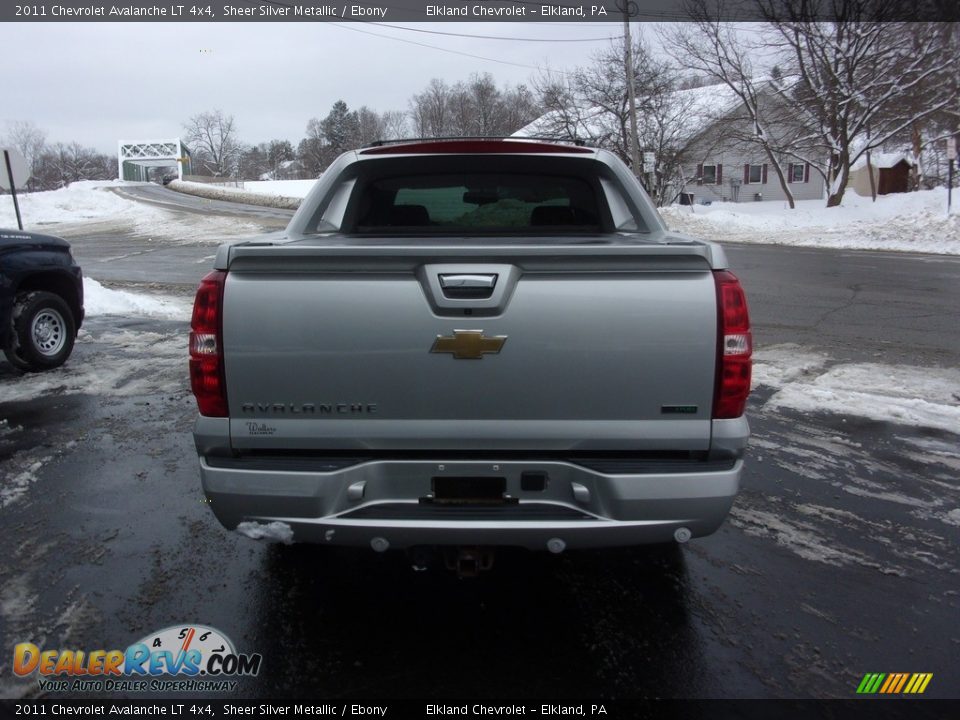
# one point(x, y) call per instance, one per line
point(631, 91)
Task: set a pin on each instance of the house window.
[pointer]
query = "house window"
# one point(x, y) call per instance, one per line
point(709, 174)
point(797, 172)
point(755, 175)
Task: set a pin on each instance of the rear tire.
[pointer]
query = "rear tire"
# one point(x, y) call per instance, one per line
point(43, 332)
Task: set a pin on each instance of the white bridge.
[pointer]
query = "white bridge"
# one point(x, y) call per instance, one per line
point(135, 158)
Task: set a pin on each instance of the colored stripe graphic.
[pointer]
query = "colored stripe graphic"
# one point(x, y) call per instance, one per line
point(918, 683)
point(903, 681)
point(870, 683)
point(894, 683)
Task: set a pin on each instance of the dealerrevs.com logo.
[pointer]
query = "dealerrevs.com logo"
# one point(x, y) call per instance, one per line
point(180, 658)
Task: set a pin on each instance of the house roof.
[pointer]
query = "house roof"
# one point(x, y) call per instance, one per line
point(696, 109)
point(883, 160)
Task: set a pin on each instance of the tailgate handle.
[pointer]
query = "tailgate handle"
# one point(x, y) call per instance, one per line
point(468, 285)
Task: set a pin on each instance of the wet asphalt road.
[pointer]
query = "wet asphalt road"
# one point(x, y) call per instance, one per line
point(838, 558)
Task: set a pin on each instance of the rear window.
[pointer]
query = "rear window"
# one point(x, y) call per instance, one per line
point(468, 195)
point(482, 202)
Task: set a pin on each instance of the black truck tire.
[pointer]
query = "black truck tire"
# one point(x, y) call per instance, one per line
point(43, 332)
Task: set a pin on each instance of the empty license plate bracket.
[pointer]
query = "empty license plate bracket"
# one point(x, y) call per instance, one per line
point(469, 491)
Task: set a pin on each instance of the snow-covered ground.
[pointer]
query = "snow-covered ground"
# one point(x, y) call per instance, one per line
point(99, 300)
point(86, 200)
point(908, 222)
point(810, 382)
point(283, 188)
point(82, 204)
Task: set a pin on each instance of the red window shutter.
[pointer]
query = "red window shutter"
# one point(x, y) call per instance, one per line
point(806, 173)
point(763, 178)
point(746, 174)
point(700, 174)
point(789, 173)
point(719, 174)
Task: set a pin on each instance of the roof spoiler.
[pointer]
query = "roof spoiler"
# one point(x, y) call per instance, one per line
point(579, 142)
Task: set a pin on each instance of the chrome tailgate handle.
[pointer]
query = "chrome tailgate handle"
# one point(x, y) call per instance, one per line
point(474, 282)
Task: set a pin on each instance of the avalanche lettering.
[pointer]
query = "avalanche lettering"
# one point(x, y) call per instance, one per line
point(126, 11)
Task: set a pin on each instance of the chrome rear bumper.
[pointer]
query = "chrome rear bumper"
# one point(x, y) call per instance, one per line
point(387, 503)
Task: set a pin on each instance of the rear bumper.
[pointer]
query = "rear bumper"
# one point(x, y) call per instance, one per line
point(389, 500)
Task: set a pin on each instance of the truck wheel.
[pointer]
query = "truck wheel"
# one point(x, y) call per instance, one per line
point(43, 332)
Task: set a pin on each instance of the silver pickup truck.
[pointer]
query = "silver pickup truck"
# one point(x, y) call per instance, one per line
point(470, 344)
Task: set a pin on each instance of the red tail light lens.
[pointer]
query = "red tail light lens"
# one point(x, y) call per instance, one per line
point(734, 347)
point(206, 347)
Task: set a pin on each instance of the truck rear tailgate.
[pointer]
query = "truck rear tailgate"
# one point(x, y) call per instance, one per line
point(348, 348)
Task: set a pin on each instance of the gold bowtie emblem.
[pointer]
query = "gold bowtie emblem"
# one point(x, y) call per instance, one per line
point(468, 344)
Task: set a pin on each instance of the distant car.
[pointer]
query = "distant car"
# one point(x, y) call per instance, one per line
point(169, 179)
point(41, 300)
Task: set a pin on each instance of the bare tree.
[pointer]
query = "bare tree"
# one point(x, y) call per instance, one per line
point(370, 126)
point(429, 110)
point(567, 115)
point(518, 108)
point(61, 164)
point(213, 142)
point(592, 104)
point(461, 112)
point(853, 73)
point(485, 99)
point(29, 140)
point(716, 50)
point(395, 125)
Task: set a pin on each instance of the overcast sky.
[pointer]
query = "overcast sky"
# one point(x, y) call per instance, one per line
point(97, 83)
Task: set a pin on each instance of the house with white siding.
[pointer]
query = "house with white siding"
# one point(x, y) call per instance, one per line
point(711, 139)
point(722, 162)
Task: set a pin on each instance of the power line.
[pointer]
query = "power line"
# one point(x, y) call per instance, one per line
point(434, 47)
point(495, 37)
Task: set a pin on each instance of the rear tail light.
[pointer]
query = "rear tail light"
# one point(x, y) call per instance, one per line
point(206, 346)
point(734, 347)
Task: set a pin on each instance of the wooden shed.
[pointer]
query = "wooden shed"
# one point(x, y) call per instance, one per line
point(891, 174)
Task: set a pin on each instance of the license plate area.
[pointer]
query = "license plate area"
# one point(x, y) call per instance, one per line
point(469, 491)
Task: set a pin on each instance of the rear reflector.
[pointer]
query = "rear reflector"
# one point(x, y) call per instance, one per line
point(206, 347)
point(734, 347)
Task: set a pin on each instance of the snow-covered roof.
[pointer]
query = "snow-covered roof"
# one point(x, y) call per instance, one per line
point(697, 109)
point(883, 160)
point(705, 106)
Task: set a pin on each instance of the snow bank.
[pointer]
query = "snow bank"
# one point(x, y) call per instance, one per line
point(907, 222)
point(919, 396)
point(86, 200)
point(99, 300)
point(282, 188)
point(232, 194)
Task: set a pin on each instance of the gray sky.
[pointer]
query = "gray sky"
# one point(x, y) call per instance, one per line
point(97, 83)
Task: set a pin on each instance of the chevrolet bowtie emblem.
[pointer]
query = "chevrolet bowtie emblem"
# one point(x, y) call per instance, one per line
point(468, 344)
